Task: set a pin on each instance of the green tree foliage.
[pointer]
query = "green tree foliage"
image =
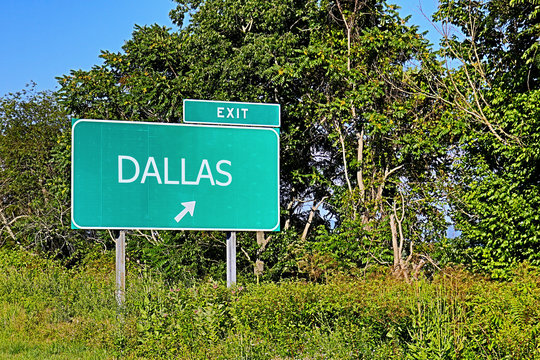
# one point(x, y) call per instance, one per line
point(35, 174)
point(384, 144)
point(498, 195)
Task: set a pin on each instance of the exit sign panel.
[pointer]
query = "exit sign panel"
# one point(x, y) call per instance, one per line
point(232, 113)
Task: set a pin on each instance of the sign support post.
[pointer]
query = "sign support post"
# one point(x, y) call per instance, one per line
point(231, 258)
point(121, 268)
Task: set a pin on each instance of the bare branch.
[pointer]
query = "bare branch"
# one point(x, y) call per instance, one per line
point(344, 153)
point(246, 254)
point(310, 218)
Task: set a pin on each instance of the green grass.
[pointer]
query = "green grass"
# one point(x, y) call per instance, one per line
point(22, 349)
point(49, 312)
point(36, 335)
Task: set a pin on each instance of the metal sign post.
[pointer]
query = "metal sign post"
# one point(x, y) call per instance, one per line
point(120, 292)
point(231, 258)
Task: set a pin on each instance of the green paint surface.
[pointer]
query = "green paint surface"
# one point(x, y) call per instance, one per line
point(129, 175)
point(233, 113)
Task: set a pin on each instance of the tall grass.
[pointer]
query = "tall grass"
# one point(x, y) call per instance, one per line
point(49, 312)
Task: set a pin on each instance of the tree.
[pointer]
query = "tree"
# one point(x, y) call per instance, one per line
point(353, 147)
point(497, 190)
point(35, 174)
point(230, 57)
point(384, 145)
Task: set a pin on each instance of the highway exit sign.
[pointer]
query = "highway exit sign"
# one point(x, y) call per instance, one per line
point(232, 113)
point(134, 175)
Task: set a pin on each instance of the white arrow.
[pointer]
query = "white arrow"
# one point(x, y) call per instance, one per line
point(189, 207)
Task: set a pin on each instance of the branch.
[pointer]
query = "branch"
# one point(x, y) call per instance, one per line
point(387, 173)
point(245, 253)
point(7, 225)
point(428, 258)
point(360, 172)
point(343, 152)
point(310, 218)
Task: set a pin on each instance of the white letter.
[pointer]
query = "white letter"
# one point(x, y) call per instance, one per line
point(222, 172)
point(204, 165)
point(220, 112)
point(230, 113)
point(245, 112)
point(152, 162)
point(184, 182)
point(120, 177)
point(167, 181)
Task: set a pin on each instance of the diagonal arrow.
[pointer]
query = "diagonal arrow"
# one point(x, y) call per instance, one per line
point(189, 207)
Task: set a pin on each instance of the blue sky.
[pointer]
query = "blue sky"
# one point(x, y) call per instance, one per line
point(420, 12)
point(42, 39)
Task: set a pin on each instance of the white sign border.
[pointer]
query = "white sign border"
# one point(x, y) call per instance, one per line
point(77, 121)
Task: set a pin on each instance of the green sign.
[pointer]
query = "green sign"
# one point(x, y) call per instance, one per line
point(232, 113)
point(133, 175)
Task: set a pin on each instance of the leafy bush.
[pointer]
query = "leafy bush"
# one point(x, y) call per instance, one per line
point(46, 310)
